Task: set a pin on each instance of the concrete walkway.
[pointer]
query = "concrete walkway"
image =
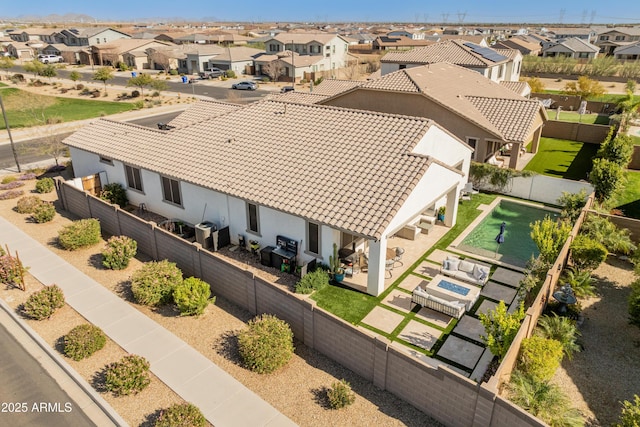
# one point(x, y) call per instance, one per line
point(223, 400)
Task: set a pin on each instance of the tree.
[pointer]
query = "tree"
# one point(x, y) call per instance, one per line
point(162, 59)
point(501, 328)
point(572, 204)
point(74, 76)
point(549, 236)
point(535, 84)
point(141, 81)
point(159, 85)
point(618, 150)
point(6, 63)
point(34, 67)
point(585, 88)
point(606, 177)
point(273, 70)
point(103, 74)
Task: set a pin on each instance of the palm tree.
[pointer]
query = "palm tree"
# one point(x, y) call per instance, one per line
point(561, 329)
point(613, 238)
point(580, 281)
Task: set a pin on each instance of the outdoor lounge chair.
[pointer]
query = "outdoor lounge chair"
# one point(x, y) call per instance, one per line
point(398, 257)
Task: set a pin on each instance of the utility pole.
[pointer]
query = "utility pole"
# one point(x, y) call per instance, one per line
point(13, 146)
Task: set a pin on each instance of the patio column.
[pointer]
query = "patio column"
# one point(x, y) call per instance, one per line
point(375, 274)
point(535, 142)
point(451, 212)
point(514, 154)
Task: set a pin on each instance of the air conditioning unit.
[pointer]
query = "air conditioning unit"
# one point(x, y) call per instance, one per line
point(203, 234)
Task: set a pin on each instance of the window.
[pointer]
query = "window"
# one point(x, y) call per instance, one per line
point(134, 180)
point(402, 66)
point(171, 191)
point(501, 71)
point(583, 55)
point(472, 142)
point(604, 37)
point(253, 218)
point(313, 238)
point(619, 38)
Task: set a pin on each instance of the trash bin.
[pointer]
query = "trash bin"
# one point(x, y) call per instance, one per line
point(134, 74)
point(185, 79)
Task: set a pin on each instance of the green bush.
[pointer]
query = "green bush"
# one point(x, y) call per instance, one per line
point(587, 253)
point(115, 193)
point(266, 345)
point(154, 283)
point(173, 72)
point(340, 394)
point(79, 234)
point(181, 415)
point(128, 375)
point(313, 281)
point(118, 252)
point(540, 357)
point(8, 179)
point(42, 304)
point(616, 240)
point(630, 416)
point(192, 296)
point(501, 327)
point(83, 340)
point(230, 74)
point(44, 212)
point(27, 204)
point(561, 329)
point(634, 303)
point(572, 204)
point(606, 177)
point(44, 185)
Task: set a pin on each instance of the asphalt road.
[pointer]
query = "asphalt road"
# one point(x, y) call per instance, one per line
point(28, 395)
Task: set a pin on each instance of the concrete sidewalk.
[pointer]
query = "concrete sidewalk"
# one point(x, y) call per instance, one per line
point(223, 400)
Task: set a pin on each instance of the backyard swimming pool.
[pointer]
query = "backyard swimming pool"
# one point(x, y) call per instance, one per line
point(518, 247)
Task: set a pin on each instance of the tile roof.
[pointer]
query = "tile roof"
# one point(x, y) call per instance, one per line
point(299, 97)
point(453, 51)
point(521, 88)
point(349, 169)
point(574, 44)
point(460, 90)
point(304, 38)
point(203, 110)
point(334, 86)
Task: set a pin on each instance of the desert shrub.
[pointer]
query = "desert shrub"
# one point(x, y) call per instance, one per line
point(44, 185)
point(28, 176)
point(11, 194)
point(135, 93)
point(43, 212)
point(27, 204)
point(80, 86)
point(192, 296)
point(115, 193)
point(634, 303)
point(630, 416)
point(313, 281)
point(230, 74)
point(11, 270)
point(173, 72)
point(8, 179)
point(587, 253)
point(118, 252)
point(561, 329)
point(128, 375)
point(42, 304)
point(11, 185)
point(79, 234)
point(138, 105)
point(83, 340)
point(182, 415)
point(155, 93)
point(340, 394)
point(17, 78)
point(540, 357)
point(617, 240)
point(153, 284)
point(266, 345)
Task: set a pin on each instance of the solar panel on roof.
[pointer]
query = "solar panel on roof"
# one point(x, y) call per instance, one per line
point(486, 53)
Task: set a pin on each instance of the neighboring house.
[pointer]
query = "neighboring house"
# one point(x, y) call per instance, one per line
point(611, 38)
point(526, 45)
point(489, 117)
point(21, 51)
point(398, 42)
point(318, 175)
point(71, 54)
point(494, 64)
point(91, 36)
point(129, 51)
point(284, 65)
point(197, 58)
point(240, 59)
point(413, 35)
point(521, 88)
point(583, 33)
point(45, 35)
point(630, 52)
point(331, 51)
point(572, 48)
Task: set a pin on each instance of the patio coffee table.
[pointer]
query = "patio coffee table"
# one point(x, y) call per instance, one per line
point(453, 290)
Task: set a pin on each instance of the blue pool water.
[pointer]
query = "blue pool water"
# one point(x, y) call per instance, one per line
point(461, 290)
point(518, 247)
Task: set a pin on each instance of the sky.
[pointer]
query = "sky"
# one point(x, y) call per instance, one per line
point(412, 11)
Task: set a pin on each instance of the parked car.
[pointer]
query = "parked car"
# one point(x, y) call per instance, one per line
point(211, 73)
point(286, 89)
point(46, 59)
point(244, 86)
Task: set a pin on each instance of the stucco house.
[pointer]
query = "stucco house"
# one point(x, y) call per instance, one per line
point(21, 51)
point(390, 42)
point(525, 44)
point(91, 36)
point(318, 175)
point(494, 64)
point(571, 48)
point(630, 52)
point(330, 51)
point(130, 51)
point(611, 38)
point(491, 118)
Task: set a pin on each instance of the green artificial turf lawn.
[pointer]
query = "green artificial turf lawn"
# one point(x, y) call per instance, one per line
point(628, 200)
point(572, 116)
point(67, 109)
point(562, 158)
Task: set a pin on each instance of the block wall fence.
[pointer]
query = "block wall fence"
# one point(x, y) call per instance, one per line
point(438, 391)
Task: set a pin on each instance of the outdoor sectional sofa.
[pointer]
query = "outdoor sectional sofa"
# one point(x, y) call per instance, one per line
point(467, 270)
point(431, 299)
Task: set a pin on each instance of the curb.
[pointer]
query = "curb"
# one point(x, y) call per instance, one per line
point(109, 414)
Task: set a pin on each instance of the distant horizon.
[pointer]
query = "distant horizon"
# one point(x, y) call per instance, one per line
point(414, 12)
